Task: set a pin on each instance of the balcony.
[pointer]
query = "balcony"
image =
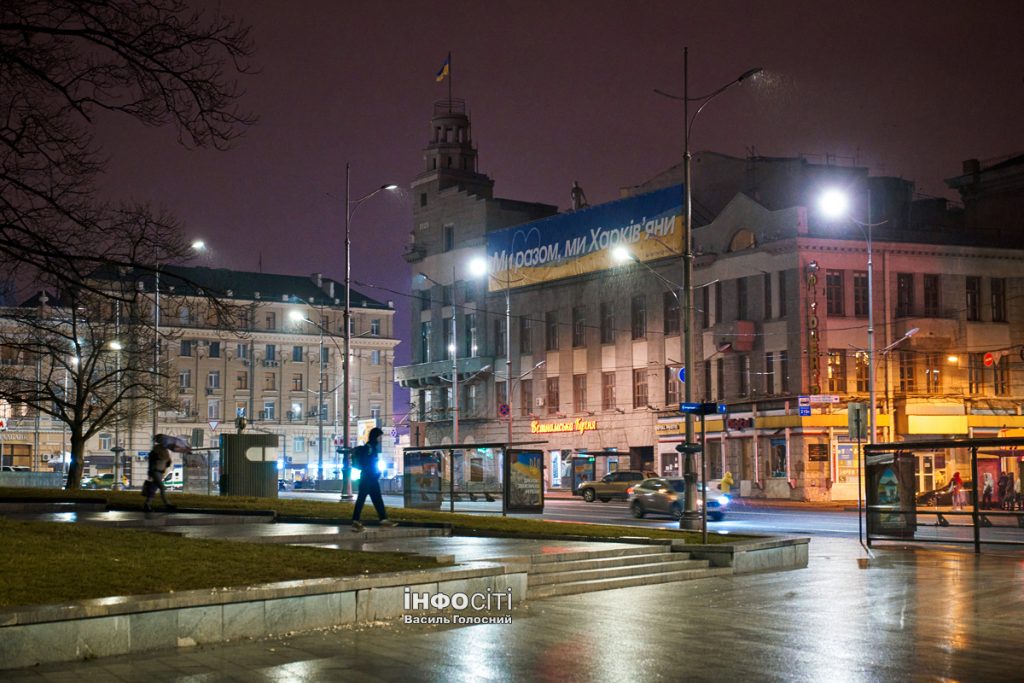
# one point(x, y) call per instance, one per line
point(431, 374)
point(740, 334)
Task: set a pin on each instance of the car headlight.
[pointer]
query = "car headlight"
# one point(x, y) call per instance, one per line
point(724, 500)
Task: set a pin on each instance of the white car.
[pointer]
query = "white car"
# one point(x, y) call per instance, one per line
point(666, 496)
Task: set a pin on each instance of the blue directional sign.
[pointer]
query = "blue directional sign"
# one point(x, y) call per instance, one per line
point(698, 408)
point(722, 409)
point(805, 411)
point(681, 374)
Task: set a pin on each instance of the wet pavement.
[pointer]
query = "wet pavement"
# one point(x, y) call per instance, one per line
point(902, 615)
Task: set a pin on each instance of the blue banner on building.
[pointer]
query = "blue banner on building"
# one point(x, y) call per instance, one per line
point(570, 244)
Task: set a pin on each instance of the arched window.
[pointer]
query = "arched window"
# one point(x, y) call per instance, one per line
point(742, 239)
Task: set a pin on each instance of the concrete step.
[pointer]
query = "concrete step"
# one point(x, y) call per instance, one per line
point(633, 569)
point(601, 562)
point(577, 587)
point(583, 554)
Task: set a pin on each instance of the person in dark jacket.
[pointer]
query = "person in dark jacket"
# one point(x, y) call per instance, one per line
point(369, 480)
point(159, 461)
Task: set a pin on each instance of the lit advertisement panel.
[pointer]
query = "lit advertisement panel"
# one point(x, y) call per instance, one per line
point(575, 243)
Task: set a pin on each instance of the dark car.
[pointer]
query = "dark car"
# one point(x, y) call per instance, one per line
point(944, 496)
point(612, 485)
point(666, 495)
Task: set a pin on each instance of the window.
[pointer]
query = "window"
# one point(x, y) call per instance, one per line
point(375, 357)
point(907, 370)
point(705, 306)
point(863, 372)
point(375, 327)
point(213, 409)
point(525, 336)
point(720, 378)
point(375, 410)
point(270, 321)
point(472, 335)
point(325, 355)
point(296, 381)
point(449, 237)
point(670, 313)
point(106, 441)
point(767, 291)
point(215, 349)
point(784, 371)
point(932, 299)
point(579, 393)
point(185, 379)
point(673, 388)
point(932, 368)
point(500, 340)
point(425, 341)
point(213, 379)
point(423, 202)
point(837, 371)
point(269, 408)
point(186, 348)
point(425, 301)
point(501, 393)
point(769, 373)
point(186, 408)
point(607, 323)
point(242, 379)
point(998, 292)
point(551, 330)
point(718, 303)
point(640, 388)
point(552, 386)
point(638, 316)
point(782, 294)
point(741, 299)
point(526, 396)
point(271, 352)
point(579, 328)
point(447, 294)
point(446, 338)
point(297, 354)
point(184, 316)
point(608, 391)
point(861, 298)
point(707, 378)
point(973, 298)
point(1001, 377)
point(426, 398)
point(834, 291)
point(904, 294)
point(299, 444)
point(743, 375)
point(976, 373)
point(242, 351)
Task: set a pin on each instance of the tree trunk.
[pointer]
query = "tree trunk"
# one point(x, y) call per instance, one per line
point(77, 465)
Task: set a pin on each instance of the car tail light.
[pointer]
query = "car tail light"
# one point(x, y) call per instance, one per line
point(629, 491)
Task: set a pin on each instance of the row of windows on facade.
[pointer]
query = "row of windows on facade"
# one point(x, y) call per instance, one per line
point(187, 317)
point(775, 306)
point(299, 443)
point(214, 349)
point(269, 381)
point(297, 410)
point(916, 373)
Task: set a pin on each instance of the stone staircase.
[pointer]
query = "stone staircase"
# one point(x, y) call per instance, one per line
point(584, 571)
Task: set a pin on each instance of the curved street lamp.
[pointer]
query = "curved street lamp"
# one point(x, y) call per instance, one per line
point(691, 517)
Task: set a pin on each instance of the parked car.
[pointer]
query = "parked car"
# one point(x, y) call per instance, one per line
point(666, 496)
point(173, 480)
point(15, 468)
point(612, 485)
point(103, 481)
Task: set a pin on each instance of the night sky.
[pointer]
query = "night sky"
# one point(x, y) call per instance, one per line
point(560, 91)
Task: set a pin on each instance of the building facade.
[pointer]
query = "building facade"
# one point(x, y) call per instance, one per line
point(780, 323)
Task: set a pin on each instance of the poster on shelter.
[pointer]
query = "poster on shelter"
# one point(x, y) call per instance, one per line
point(524, 481)
point(422, 479)
point(890, 495)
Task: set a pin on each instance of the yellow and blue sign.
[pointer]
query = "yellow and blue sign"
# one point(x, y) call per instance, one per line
point(576, 243)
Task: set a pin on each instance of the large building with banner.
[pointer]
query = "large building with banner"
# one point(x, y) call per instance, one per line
point(559, 343)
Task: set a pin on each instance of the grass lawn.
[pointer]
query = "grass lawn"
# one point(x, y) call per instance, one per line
point(341, 512)
point(45, 563)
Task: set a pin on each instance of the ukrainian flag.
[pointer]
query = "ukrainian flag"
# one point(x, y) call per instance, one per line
point(444, 70)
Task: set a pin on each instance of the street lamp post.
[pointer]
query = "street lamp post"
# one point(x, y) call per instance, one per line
point(350, 206)
point(691, 517)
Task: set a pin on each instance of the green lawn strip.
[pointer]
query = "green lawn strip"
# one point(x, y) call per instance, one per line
point(476, 524)
point(46, 563)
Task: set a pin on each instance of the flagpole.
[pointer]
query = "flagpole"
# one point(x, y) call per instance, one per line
point(450, 84)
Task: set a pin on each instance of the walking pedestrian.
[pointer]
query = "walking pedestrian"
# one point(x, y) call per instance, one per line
point(727, 483)
point(159, 461)
point(986, 492)
point(369, 480)
point(957, 488)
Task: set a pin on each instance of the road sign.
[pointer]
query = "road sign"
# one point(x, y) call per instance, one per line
point(681, 374)
point(823, 398)
point(803, 400)
point(805, 411)
point(504, 410)
point(698, 408)
point(214, 424)
point(722, 409)
point(857, 418)
point(394, 432)
point(989, 360)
